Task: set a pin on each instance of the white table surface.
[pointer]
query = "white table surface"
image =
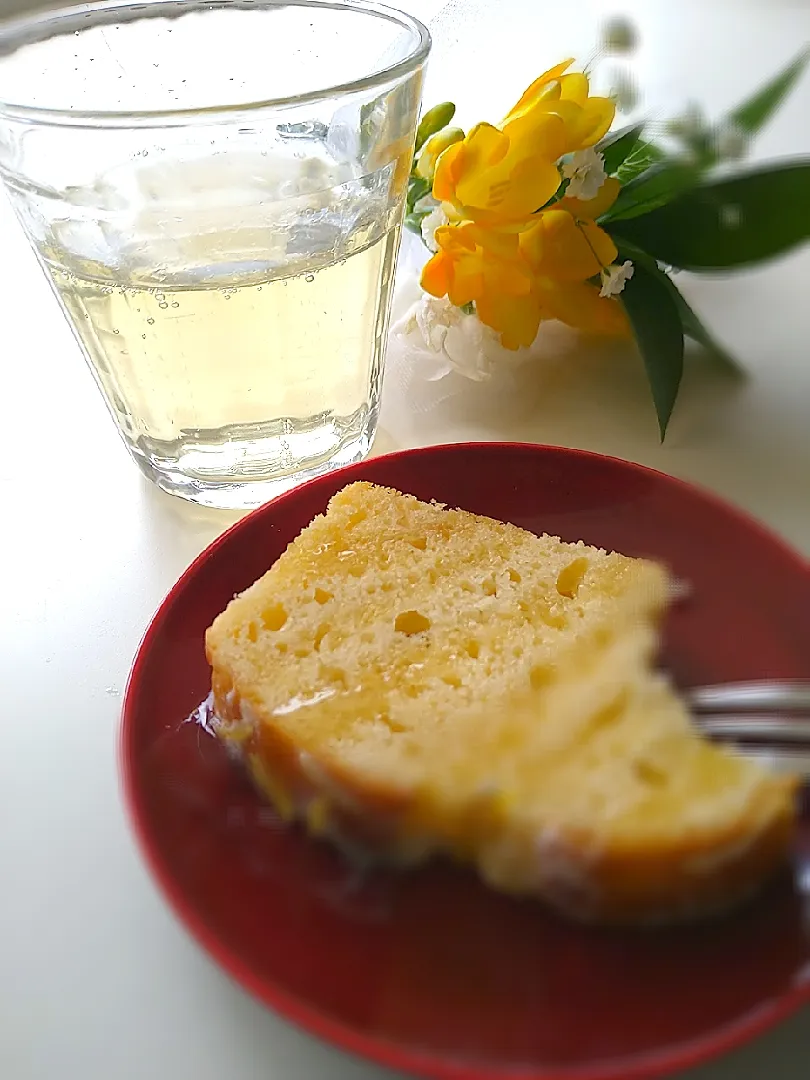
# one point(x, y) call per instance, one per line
point(97, 979)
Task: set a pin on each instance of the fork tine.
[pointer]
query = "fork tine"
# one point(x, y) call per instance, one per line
point(781, 760)
point(754, 696)
point(766, 728)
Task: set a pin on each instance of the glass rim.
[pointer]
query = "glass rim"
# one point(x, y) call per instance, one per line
point(43, 25)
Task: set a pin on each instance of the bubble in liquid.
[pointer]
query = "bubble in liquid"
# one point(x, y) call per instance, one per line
point(163, 306)
point(151, 322)
point(310, 277)
point(175, 304)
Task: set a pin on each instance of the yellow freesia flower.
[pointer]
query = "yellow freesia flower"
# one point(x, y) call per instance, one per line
point(561, 247)
point(485, 267)
point(490, 268)
point(500, 176)
point(517, 262)
point(586, 118)
point(494, 180)
point(470, 262)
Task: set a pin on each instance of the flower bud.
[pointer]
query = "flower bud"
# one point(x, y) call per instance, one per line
point(434, 120)
point(619, 36)
point(434, 148)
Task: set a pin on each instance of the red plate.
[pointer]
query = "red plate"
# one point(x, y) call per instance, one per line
point(431, 972)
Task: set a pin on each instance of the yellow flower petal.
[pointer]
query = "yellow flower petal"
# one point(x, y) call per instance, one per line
point(507, 279)
point(579, 305)
point(602, 246)
point(598, 113)
point(574, 87)
point(464, 269)
point(503, 244)
point(516, 318)
point(543, 131)
point(485, 145)
point(436, 274)
point(559, 247)
point(467, 282)
point(512, 187)
point(455, 239)
point(595, 207)
point(535, 90)
point(444, 180)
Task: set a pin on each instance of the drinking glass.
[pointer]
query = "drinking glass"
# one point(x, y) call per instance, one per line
point(215, 191)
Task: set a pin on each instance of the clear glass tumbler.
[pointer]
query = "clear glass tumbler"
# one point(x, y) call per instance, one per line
point(215, 190)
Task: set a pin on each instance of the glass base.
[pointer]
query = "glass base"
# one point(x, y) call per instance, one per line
point(245, 494)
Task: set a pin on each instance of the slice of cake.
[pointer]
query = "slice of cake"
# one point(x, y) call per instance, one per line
point(409, 680)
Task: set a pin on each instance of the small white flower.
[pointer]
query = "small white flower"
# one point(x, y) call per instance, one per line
point(434, 220)
point(585, 173)
point(614, 278)
point(690, 127)
point(433, 329)
point(731, 142)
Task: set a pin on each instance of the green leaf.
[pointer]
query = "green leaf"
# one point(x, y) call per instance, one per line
point(642, 156)
point(616, 145)
point(692, 326)
point(417, 189)
point(413, 223)
point(656, 325)
point(757, 110)
point(731, 222)
point(655, 187)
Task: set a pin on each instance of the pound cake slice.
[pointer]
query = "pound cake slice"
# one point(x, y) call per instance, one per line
point(409, 680)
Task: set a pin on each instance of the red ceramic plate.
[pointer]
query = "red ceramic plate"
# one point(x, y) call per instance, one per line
point(431, 972)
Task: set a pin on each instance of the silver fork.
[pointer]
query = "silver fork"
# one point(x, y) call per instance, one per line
point(769, 721)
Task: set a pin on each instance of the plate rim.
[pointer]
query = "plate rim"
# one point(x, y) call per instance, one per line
point(291, 1007)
